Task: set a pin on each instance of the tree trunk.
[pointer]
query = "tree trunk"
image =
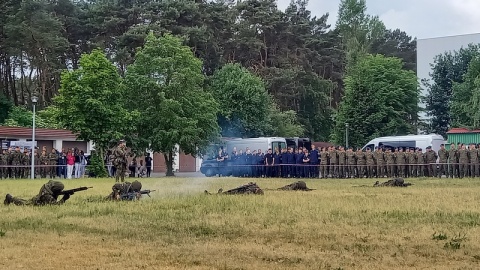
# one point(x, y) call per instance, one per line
point(169, 163)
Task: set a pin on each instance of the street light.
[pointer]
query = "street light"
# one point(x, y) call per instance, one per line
point(32, 167)
point(346, 135)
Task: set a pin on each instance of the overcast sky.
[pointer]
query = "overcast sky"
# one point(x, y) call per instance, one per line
point(418, 18)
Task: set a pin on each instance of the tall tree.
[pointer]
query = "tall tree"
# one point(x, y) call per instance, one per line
point(165, 85)
point(358, 29)
point(447, 69)
point(381, 99)
point(91, 101)
point(466, 97)
point(244, 102)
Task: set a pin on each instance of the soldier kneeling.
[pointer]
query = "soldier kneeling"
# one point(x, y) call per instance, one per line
point(48, 194)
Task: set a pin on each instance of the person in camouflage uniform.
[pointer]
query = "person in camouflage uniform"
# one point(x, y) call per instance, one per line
point(400, 159)
point(352, 162)
point(412, 163)
point(17, 163)
point(43, 164)
point(26, 164)
point(380, 160)
point(390, 161)
point(463, 160)
point(443, 160)
point(299, 185)
point(474, 157)
point(342, 155)
point(452, 161)
point(3, 164)
point(370, 159)
point(361, 162)
point(250, 188)
point(126, 191)
point(52, 162)
point(431, 158)
point(37, 163)
point(48, 195)
point(420, 171)
point(396, 182)
point(333, 157)
point(120, 161)
point(324, 162)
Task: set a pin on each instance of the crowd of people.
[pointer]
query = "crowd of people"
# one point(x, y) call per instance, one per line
point(338, 162)
point(67, 163)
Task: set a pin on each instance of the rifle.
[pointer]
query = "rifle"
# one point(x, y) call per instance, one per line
point(73, 190)
point(133, 195)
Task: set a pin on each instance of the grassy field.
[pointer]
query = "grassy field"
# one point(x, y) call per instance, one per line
point(434, 224)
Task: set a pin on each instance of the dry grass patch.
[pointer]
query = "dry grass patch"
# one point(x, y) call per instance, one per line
point(433, 224)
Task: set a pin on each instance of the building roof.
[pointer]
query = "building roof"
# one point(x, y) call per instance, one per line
point(40, 133)
point(462, 130)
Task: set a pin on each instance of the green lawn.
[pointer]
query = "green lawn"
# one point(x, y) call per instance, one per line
point(433, 224)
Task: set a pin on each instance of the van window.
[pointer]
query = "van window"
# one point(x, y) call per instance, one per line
point(371, 146)
point(280, 145)
point(398, 144)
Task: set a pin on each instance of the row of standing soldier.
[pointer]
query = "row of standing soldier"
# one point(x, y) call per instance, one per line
point(338, 162)
point(15, 164)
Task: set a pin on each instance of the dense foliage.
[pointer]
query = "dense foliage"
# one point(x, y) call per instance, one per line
point(300, 58)
point(449, 100)
point(380, 100)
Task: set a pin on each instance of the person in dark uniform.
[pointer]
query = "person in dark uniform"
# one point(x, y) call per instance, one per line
point(148, 164)
point(278, 162)
point(299, 163)
point(221, 162)
point(235, 160)
point(260, 163)
point(249, 162)
point(314, 162)
point(284, 161)
point(306, 163)
point(290, 162)
point(269, 163)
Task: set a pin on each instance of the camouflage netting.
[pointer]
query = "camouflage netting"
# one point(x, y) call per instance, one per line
point(396, 182)
point(300, 185)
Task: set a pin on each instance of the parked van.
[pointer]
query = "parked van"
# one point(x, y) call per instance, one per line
point(209, 167)
point(408, 141)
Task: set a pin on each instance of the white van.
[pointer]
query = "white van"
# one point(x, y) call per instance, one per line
point(408, 141)
point(262, 143)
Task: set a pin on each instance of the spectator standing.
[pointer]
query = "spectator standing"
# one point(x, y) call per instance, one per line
point(148, 164)
point(83, 163)
point(70, 163)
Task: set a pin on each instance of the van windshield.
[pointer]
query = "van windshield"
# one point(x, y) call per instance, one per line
point(280, 145)
point(397, 144)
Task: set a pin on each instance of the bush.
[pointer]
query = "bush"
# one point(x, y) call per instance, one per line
point(97, 167)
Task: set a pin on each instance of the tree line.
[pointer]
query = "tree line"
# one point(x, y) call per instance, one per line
point(258, 70)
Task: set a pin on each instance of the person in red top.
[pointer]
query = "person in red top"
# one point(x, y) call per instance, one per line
point(70, 163)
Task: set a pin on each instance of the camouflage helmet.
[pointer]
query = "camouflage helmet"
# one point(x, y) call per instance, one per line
point(56, 187)
point(136, 186)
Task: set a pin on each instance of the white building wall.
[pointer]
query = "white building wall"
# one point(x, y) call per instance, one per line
point(427, 49)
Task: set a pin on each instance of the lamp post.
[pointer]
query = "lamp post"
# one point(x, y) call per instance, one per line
point(346, 135)
point(32, 167)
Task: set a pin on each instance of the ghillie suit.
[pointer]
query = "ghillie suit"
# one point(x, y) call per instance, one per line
point(299, 185)
point(250, 188)
point(396, 182)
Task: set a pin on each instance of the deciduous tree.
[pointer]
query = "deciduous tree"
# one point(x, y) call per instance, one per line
point(165, 85)
point(381, 99)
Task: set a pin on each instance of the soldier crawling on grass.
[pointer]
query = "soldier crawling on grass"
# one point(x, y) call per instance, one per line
point(396, 182)
point(48, 195)
point(250, 188)
point(299, 185)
